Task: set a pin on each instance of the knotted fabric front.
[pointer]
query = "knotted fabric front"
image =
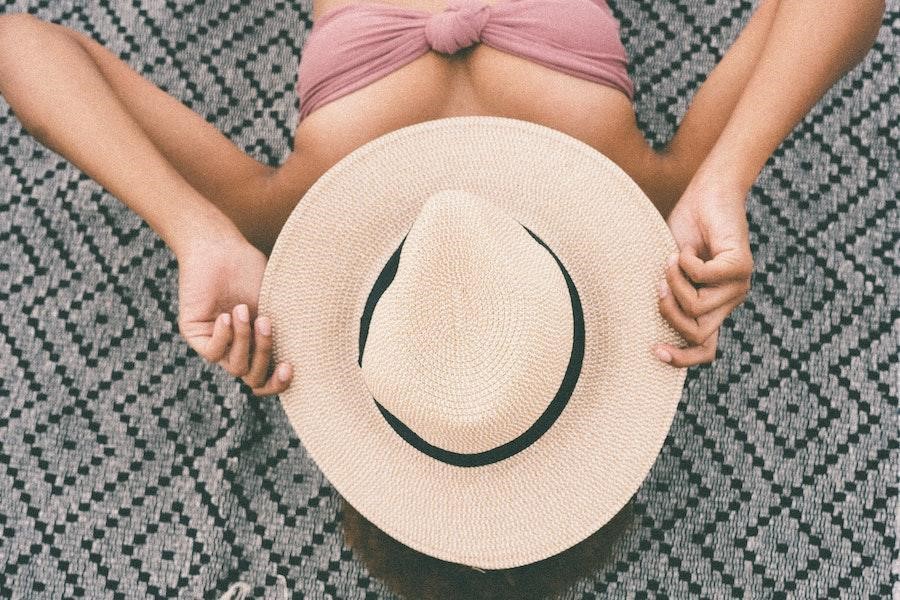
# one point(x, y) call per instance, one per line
point(354, 45)
point(457, 27)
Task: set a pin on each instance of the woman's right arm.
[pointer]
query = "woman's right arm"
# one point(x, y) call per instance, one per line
point(60, 98)
point(59, 95)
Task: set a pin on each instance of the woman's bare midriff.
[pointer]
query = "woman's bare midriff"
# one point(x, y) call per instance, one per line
point(478, 80)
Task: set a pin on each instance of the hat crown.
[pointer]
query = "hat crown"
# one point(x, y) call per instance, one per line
point(469, 343)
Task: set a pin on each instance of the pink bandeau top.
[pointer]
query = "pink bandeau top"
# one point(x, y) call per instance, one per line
point(356, 44)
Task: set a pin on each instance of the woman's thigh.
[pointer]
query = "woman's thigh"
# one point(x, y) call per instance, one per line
point(207, 159)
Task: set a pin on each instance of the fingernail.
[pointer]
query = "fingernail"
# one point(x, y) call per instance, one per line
point(662, 355)
point(242, 313)
point(263, 326)
point(226, 318)
point(284, 371)
point(663, 289)
point(672, 260)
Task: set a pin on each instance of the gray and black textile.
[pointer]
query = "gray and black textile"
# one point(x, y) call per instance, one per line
point(131, 468)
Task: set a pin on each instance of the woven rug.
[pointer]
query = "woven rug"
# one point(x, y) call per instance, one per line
point(130, 468)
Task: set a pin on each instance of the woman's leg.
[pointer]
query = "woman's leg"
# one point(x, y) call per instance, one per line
point(211, 164)
point(713, 104)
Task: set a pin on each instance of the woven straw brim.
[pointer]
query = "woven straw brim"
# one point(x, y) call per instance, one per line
point(614, 244)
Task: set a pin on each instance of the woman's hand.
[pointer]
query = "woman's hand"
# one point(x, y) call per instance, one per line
point(219, 279)
point(709, 224)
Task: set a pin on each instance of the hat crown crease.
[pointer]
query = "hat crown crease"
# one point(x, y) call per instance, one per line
point(470, 341)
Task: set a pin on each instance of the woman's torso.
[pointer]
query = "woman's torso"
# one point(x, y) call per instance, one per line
point(478, 80)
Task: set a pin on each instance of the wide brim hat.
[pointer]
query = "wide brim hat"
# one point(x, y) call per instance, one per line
point(469, 305)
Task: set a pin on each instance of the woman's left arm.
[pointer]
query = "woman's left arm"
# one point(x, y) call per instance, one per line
point(810, 45)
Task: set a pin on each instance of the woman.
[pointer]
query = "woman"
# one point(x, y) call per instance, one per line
point(220, 211)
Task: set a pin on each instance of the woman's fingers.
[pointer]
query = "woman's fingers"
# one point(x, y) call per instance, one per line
point(277, 383)
point(230, 348)
point(258, 377)
point(727, 265)
point(692, 355)
point(238, 361)
point(262, 353)
point(695, 302)
point(217, 345)
point(697, 313)
point(695, 331)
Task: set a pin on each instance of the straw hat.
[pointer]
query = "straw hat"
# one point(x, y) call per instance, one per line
point(469, 305)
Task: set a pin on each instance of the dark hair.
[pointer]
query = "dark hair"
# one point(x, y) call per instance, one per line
point(412, 574)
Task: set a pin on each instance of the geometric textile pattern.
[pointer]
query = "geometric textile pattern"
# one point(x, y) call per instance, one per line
point(132, 468)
